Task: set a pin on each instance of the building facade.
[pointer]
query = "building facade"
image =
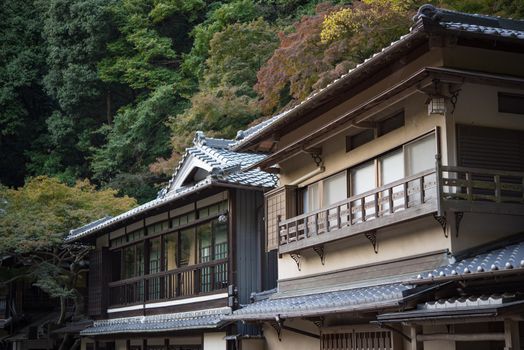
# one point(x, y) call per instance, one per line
point(399, 215)
point(165, 274)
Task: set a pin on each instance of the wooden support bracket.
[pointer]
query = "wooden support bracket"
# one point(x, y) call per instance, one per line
point(277, 326)
point(296, 257)
point(372, 236)
point(441, 219)
point(320, 251)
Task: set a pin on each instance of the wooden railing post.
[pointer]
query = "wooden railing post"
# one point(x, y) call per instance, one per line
point(496, 178)
point(469, 186)
point(438, 179)
point(375, 200)
point(339, 219)
point(390, 200)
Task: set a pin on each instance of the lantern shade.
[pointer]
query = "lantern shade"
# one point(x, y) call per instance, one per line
point(437, 105)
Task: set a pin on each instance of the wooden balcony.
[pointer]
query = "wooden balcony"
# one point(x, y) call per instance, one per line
point(436, 191)
point(187, 281)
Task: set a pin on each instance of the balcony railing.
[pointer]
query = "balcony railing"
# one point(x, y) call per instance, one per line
point(186, 281)
point(435, 191)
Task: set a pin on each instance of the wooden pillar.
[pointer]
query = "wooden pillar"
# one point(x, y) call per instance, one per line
point(128, 344)
point(415, 345)
point(144, 344)
point(511, 335)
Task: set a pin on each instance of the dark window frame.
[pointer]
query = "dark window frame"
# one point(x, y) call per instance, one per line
point(510, 103)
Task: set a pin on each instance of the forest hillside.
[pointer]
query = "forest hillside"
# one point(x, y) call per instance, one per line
point(113, 90)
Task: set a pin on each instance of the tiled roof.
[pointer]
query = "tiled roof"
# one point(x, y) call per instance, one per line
point(473, 306)
point(225, 164)
point(89, 226)
point(211, 318)
point(365, 298)
point(473, 28)
point(445, 19)
point(89, 229)
point(508, 258)
point(225, 168)
point(464, 302)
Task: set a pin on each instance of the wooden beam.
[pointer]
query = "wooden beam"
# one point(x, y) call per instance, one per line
point(511, 335)
point(461, 337)
point(415, 330)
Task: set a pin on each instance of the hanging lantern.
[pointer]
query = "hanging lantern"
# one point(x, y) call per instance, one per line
point(437, 105)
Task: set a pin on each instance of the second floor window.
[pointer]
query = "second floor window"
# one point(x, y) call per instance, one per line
point(410, 159)
point(133, 261)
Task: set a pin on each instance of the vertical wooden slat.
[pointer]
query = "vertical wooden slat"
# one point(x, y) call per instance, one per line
point(421, 187)
point(339, 219)
point(326, 221)
point(406, 197)
point(469, 186)
point(390, 200)
point(496, 178)
point(363, 208)
point(375, 200)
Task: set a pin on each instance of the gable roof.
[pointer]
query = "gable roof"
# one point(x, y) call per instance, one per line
point(224, 168)
point(428, 19)
point(216, 157)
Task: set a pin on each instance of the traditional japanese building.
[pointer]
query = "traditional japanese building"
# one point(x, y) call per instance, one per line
point(165, 274)
point(399, 216)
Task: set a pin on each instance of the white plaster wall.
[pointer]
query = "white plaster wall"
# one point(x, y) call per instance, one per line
point(215, 341)
point(403, 240)
point(437, 344)
point(291, 340)
point(478, 105)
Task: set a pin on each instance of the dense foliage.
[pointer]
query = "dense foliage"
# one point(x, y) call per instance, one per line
point(34, 220)
point(114, 90)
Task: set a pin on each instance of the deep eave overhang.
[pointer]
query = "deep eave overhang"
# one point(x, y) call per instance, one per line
point(357, 75)
point(419, 34)
point(415, 82)
point(452, 313)
point(374, 306)
point(169, 201)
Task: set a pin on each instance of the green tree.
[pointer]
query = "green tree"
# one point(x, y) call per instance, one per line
point(23, 102)
point(227, 101)
point(34, 220)
point(218, 17)
point(136, 139)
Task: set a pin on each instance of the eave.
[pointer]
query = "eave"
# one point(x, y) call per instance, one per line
point(403, 89)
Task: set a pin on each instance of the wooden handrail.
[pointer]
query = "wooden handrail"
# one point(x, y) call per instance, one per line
point(452, 185)
point(167, 273)
point(359, 196)
point(480, 171)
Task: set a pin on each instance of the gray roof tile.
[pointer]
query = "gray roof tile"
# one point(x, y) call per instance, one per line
point(211, 318)
point(364, 298)
point(510, 257)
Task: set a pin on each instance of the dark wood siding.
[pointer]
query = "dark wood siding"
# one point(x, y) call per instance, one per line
point(99, 275)
point(248, 252)
point(255, 269)
point(490, 148)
